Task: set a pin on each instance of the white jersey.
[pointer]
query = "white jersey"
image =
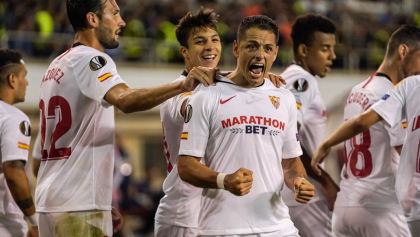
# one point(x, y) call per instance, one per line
point(77, 127)
point(312, 117)
point(232, 127)
point(181, 204)
point(399, 103)
point(37, 149)
point(15, 135)
point(371, 162)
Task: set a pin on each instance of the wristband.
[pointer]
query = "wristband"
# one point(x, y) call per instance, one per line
point(221, 180)
point(33, 220)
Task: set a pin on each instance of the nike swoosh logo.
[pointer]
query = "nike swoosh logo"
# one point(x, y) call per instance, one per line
point(224, 101)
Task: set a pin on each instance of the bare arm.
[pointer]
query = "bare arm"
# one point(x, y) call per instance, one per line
point(295, 179)
point(192, 171)
point(398, 148)
point(131, 100)
point(347, 130)
point(35, 166)
point(18, 184)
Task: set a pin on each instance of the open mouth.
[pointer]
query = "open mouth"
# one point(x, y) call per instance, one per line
point(256, 69)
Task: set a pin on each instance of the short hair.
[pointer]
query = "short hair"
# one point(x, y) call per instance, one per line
point(78, 9)
point(305, 26)
point(257, 21)
point(191, 23)
point(406, 34)
point(8, 59)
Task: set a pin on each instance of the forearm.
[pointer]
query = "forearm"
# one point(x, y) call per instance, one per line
point(306, 161)
point(192, 171)
point(18, 184)
point(141, 99)
point(292, 168)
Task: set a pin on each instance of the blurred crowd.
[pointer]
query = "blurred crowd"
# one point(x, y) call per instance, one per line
point(363, 26)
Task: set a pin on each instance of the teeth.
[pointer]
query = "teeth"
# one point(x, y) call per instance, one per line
point(209, 56)
point(258, 64)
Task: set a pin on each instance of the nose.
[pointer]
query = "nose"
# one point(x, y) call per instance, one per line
point(333, 56)
point(259, 54)
point(121, 22)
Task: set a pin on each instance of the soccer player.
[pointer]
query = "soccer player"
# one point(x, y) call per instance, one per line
point(313, 47)
point(177, 214)
point(372, 151)
point(368, 176)
point(245, 131)
point(73, 195)
point(15, 135)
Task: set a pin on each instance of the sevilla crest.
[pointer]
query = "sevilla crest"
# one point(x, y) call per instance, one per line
point(275, 101)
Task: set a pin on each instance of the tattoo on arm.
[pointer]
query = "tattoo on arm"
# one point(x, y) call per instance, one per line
point(16, 164)
point(24, 204)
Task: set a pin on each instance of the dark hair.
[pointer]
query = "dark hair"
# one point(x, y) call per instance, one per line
point(406, 34)
point(78, 9)
point(258, 21)
point(8, 59)
point(305, 26)
point(191, 23)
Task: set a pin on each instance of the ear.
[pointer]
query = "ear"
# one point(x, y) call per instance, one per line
point(184, 52)
point(403, 50)
point(302, 50)
point(236, 49)
point(92, 19)
point(11, 80)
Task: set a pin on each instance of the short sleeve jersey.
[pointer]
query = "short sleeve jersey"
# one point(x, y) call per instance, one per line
point(371, 162)
point(15, 135)
point(230, 127)
point(181, 204)
point(312, 117)
point(77, 127)
point(399, 103)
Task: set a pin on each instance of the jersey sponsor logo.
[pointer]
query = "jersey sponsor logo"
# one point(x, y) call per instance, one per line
point(252, 100)
point(97, 63)
point(298, 105)
point(25, 128)
point(105, 77)
point(385, 97)
point(248, 120)
point(188, 113)
point(275, 101)
point(224, 101)
point(23, 146)
point(185, 94)
point(301, 85)
point(184, 136)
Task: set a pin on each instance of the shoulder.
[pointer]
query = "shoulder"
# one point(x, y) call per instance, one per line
point(299, 80)
point(11, 115)
point(84, 56)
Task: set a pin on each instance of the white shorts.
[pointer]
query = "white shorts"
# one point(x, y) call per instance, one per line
point(414, 227)
point(13, 226)
point(290, 232)
point(364, 221)
point(312, 219)
point(165, 230)
point(82, 223)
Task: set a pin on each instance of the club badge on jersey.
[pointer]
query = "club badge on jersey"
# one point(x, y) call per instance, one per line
point(275, 101)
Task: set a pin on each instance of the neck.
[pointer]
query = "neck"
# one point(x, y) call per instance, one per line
point(392, 69)
point(302, 63)
point(7, 97)
point(88, 38)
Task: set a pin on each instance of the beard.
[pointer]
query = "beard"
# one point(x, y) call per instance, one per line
point(106, 37)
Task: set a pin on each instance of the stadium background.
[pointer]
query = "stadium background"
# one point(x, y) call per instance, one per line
point(149, 56)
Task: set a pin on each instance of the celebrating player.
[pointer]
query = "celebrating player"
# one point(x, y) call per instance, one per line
point(368, 177)
point(15, 193)
point(313, 47)
point(73, 194)
point(245, 131)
